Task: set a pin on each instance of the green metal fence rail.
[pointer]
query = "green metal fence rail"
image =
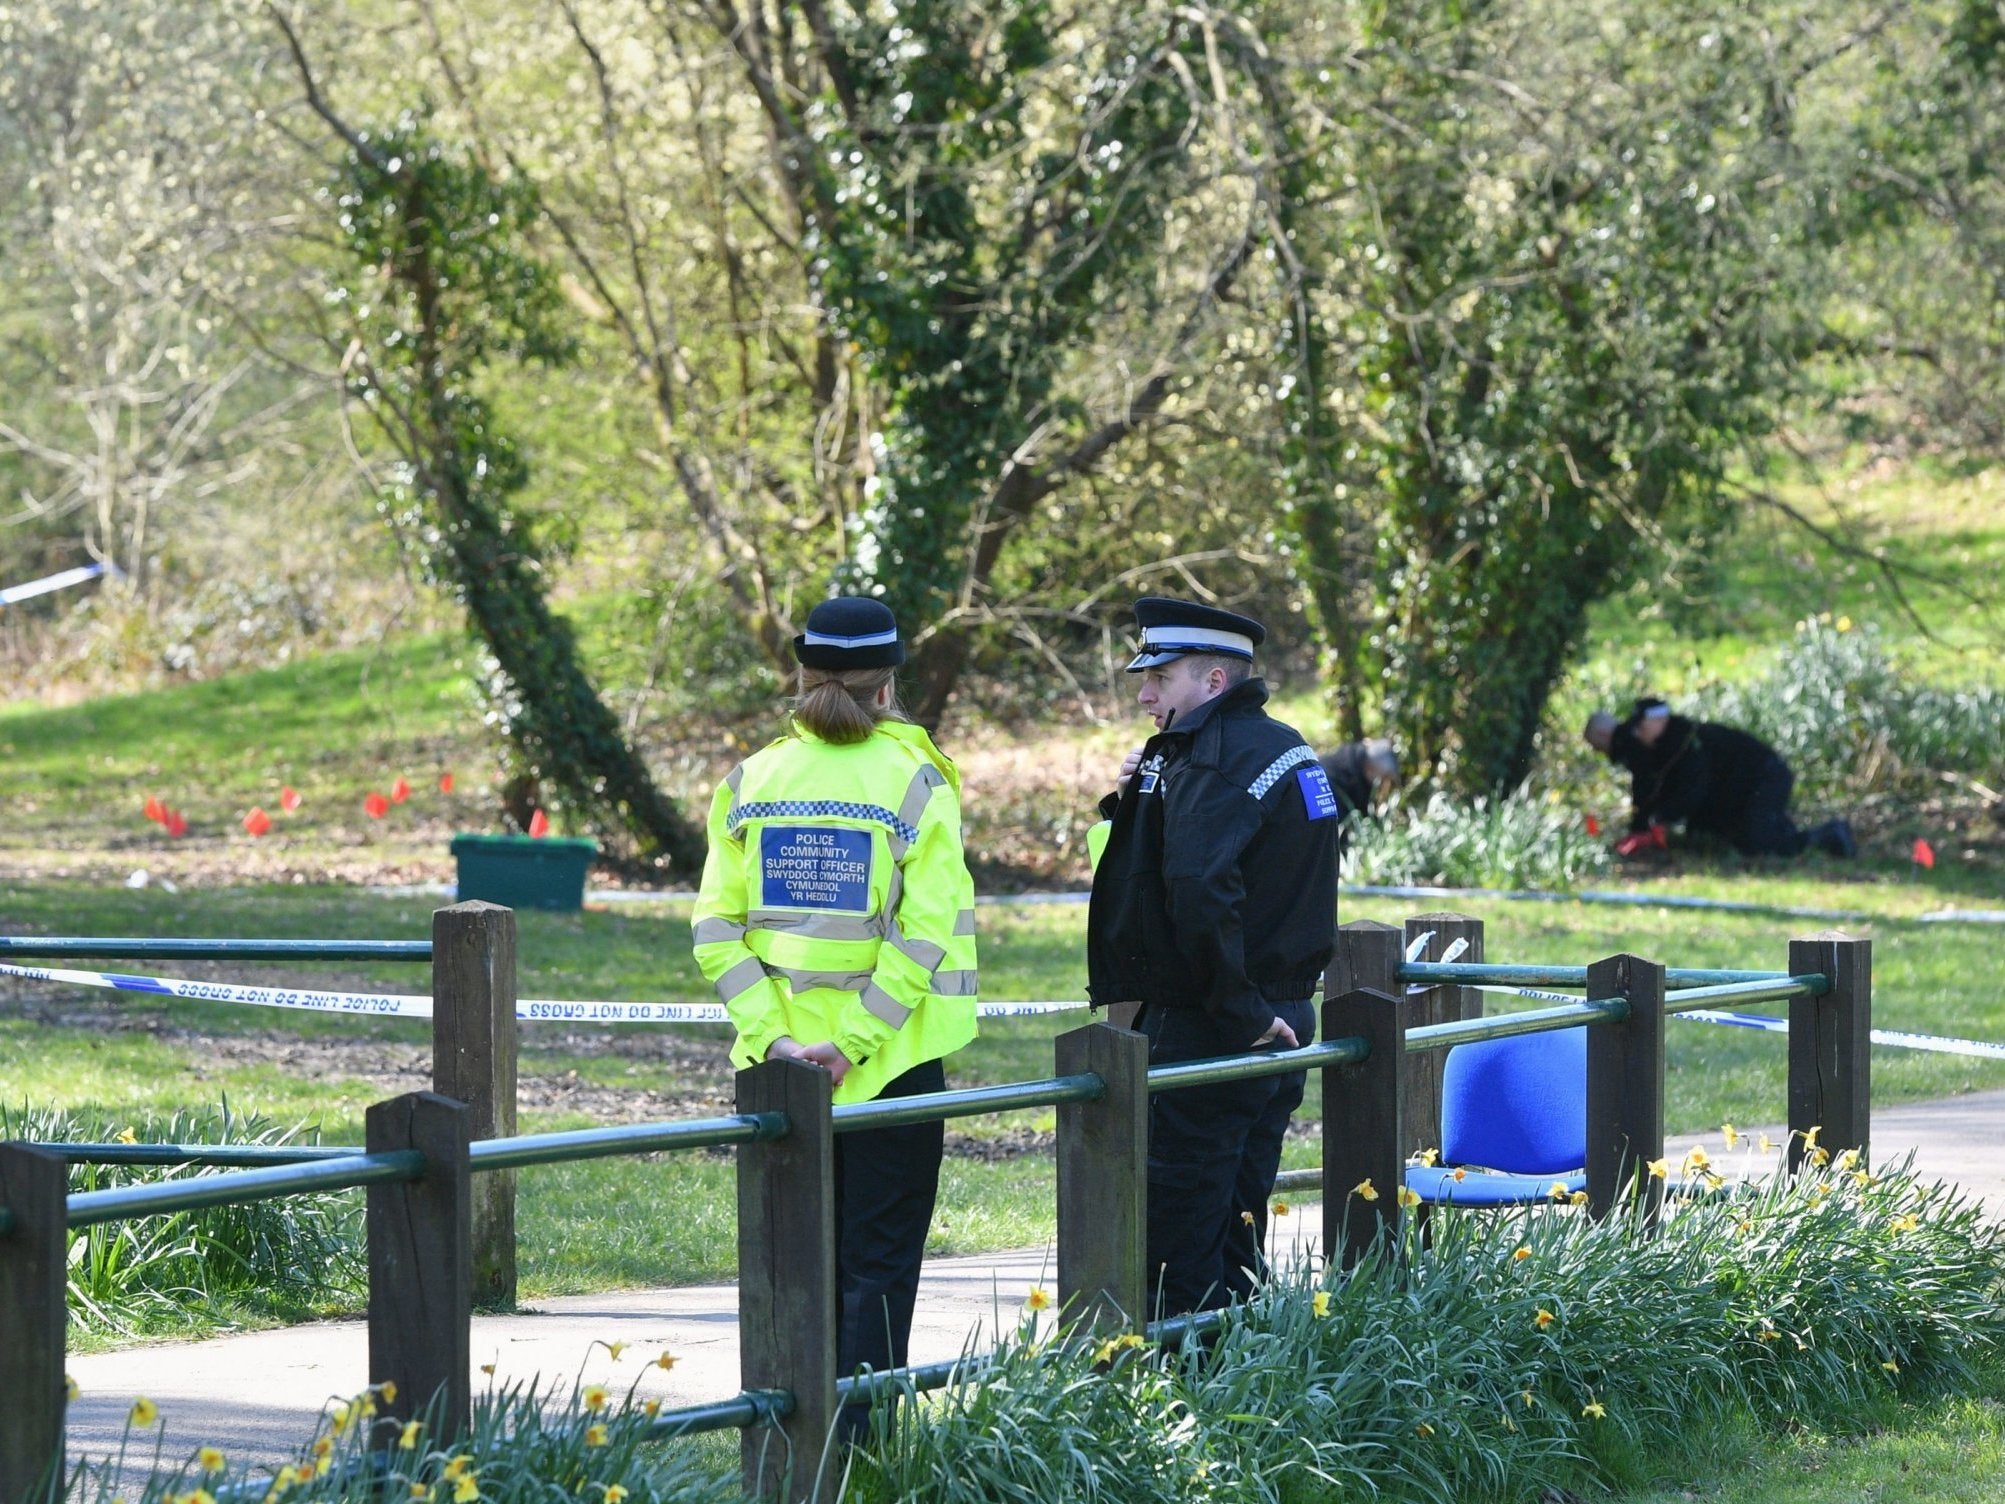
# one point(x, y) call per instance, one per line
point(431, 1158)
point(125, 948)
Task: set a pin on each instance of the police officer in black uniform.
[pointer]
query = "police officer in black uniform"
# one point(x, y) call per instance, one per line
point(1717, 779)
point(1214, 906)
point(1357, 772)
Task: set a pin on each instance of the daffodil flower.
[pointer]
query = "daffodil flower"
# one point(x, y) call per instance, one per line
point(1246, 1217)
point(1766, 1144)
point(595, 1435)
point(1408, 1196)
point(666, 1361)
point(488, 1369)
point(1578, 1198)
point(651, 1409)
point(1731, 1134)
point(1523, 1251)
point(407, 1439)
point(595, 1397)
point(1544, 1318)
point(1458, 1175)
point(421, 1490)
point(144, 1413)
point(466, 1488)
point(1659, 1169)
point(70, 1389)
point(1428, 1157)
point(1280, 1208)
point(614, 1493)
point(1526, 1396)
point(127, 1136)
point(1320, 1303)
point(1810, 1136)
point(1039, 1299)
point(1594, 1410)
point(1696, 1158)
point(616, 1348)
point(1848, 1160)
point(1365, 1190)
point(1557, 1190)
point(1423, 1429)
point(1819, 1157)
point(209, 1460)
point(1891, 1366)
point(456, 1467)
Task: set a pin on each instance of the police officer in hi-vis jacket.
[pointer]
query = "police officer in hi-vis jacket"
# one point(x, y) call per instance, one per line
point(837, 922)
point(1215, 907)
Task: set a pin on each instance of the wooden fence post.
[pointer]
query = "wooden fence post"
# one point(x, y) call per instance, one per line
point(1625, 1087)
point(1103, 1180)
point(473, 1061)
point(421, 1264)
point(1437, 1005)
point(1368, 955)
point(1831, 1047)
point(1363, 1132)
point(34, 1187)
point(786, 1278)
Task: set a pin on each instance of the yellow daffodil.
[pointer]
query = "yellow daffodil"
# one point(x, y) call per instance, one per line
point(595, 1397)
point(1848, 1160)
point(282, 1480)
point(1594, 1410)
point(488, 1369)
point(1696, 1158)
point(1526, 1396)
point(651, 1409)
point(1891, 1366)
point(616, 1348)
point(1731, 1134)
point(1428, 1157)
point(199, 1496)
point(455, 1468)
point(407, 1439)
point(1659, 1169)
point(1557, 1190)
point(1365, 1190)
point(209, 1460)
point(1906, 1223)
point(344, 1417)
point(1408, 1196)
point(595, 1435)
point(421, 1490)
point(615, 1492)
point(70, 1389)
point(466, 1488)
point(1522, 1251)
point(144, 1413)
point(127, 1136)
point(387, 1390)
point(1744, 1226)
point(1246, 1217)
point(1458, 1174)
point(1280, 1208)
point(1423, 1429)
point(1862, 1178)
point(1714, 1180)
point(1039, 1299)
point(322, 1446)
point(1578, 1198)
point(1320, 1304)
point(1544, 1318)
point(1819, 1157)
point(1104, 1353)
point(1810, 1136)
point(1204, 1467)
point(1765, 1144)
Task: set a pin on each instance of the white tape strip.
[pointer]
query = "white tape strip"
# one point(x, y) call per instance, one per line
point(411, 1005)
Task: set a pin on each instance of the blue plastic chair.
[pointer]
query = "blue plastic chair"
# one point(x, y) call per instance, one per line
point(1513, 1118)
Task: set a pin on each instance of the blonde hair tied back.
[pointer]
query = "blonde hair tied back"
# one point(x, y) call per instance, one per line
point(840, 705)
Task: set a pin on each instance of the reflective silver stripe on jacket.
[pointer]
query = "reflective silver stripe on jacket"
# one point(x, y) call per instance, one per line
point(741, 979)
point(1294, 757)
point(710, 931)
point(964, 922)
point(882, 1006)
point(920, 952)
point(913, 805)
point(954, 983)
point(802, 980)
point(812, 926)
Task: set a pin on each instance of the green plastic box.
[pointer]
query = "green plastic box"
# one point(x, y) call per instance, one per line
point(524, 872)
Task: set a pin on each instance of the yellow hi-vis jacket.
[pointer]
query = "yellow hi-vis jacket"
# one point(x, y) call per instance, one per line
point(836, 903)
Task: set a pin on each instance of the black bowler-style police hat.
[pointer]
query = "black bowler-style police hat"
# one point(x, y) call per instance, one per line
point(1172, 628)
point(851, 631)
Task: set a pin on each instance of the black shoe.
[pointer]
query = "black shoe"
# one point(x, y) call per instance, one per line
point(1835, 837)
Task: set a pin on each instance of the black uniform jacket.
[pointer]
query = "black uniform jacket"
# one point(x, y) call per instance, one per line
point(1346, 769)
point(1218, 887)
point(1696, 771)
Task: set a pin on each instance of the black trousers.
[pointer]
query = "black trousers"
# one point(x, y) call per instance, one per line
point(1764, 827)
point(886, 1181)
point(1213, 1152)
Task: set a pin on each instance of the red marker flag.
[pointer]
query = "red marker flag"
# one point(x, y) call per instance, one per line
point(375, 806)
point(445, 783)
point(1924, 854)
point(288, 798)
point(257, 822)
point(156, 811)
point(175, 821)
point(539, 824)
point(1593, 825)
point(399, 791)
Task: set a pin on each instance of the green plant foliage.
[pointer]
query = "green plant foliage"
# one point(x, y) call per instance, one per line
point(290, 1255)
point(1528, 838)
point(1847, 715)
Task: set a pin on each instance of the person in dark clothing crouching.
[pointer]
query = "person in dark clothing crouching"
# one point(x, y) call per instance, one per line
point(1214, 906)
point(1716, 779)
point(1358, 773)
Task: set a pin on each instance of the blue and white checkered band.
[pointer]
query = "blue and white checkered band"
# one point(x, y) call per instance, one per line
point(868, 640)
point(1196, 640)
point(819, 809)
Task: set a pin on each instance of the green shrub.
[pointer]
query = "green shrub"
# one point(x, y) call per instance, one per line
point(1847, 715)
point(1530, 838)
point(287, 1255)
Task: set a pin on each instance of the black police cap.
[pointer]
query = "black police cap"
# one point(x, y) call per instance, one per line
point(850, 631)
point(1171, 628)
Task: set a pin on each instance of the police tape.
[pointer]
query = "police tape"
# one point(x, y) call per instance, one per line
point(416, 1005)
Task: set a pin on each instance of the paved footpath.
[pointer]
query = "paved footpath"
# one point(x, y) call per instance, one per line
point(259, 1395)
